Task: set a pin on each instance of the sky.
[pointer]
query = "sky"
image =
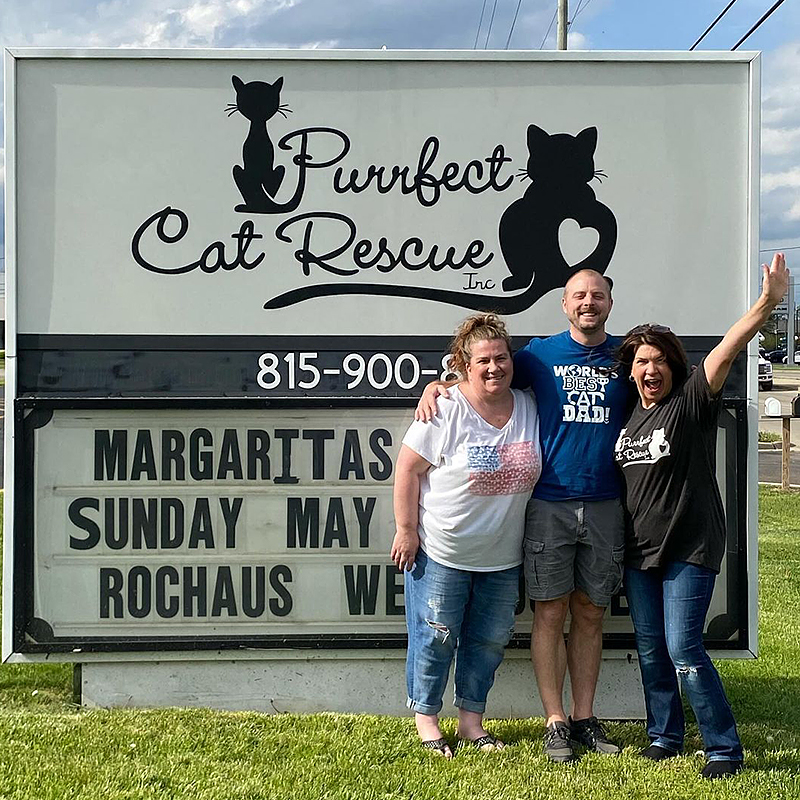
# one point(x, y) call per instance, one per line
point(459, 24)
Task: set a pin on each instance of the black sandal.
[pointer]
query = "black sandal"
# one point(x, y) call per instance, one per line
point(486, 741)
point(438, 746)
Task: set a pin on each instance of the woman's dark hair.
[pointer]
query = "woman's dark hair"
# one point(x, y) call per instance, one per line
point(658, 336)
point(477, 328)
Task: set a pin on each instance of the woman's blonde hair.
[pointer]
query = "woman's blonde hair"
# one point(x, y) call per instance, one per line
point(476, 328)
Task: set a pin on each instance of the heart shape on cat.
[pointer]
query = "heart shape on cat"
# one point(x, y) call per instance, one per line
point(575, 242)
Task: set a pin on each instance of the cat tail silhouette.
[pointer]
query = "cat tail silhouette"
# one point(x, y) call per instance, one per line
point(259, 197)
point(499, 305)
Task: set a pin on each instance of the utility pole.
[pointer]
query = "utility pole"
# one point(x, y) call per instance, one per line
point(562, 24)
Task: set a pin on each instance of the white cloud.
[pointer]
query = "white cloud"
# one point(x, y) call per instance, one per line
point(780, 143)
point(202, 23)
point(123, 23)
point(781, 180)
point(577, 41)
point(793, 214)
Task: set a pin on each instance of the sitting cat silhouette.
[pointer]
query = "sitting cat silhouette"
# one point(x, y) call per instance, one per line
point(559, 167)
point(259, 180)
point(659, 446)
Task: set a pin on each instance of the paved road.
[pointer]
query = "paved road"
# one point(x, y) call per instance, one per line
point(786, 384)
point(769, 467)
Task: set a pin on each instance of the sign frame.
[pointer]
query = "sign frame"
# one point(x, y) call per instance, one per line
point(14, 648)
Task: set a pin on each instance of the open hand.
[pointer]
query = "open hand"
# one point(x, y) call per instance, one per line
point(776, 279)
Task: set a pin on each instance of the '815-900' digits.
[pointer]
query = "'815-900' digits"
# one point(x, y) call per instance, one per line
point(305, 370)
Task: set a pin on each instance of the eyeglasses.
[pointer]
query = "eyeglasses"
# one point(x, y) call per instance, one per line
point(648, 327)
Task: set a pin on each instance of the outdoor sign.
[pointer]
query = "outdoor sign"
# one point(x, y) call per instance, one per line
point(232, 273)
point(269, 527)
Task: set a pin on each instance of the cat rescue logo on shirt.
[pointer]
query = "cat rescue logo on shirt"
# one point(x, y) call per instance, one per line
point(277, 166)
point(585, 389)
point(643, 450)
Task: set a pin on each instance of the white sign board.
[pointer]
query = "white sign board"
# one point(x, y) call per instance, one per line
point(209, 252)
point(334, 190)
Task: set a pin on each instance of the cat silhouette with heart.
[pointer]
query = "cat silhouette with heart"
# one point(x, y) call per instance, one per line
point(560, 167)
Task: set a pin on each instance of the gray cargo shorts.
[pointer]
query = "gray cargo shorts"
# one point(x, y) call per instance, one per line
point(574, 544)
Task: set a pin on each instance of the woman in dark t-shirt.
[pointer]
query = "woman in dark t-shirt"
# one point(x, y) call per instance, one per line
point(675, 525)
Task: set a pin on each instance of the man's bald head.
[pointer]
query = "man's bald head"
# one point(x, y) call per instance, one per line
point(584, 273)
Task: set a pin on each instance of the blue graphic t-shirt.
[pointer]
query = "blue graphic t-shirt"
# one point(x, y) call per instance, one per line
point(582, 408)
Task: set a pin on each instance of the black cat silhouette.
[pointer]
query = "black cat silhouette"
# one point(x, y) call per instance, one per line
point(559, 167)
point(259, 180)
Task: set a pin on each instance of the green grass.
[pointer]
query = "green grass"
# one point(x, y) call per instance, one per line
point(784, 367)
point(768, 436)
point(51, 749)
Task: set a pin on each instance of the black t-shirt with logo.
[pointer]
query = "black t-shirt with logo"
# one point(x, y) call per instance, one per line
point(667, 457)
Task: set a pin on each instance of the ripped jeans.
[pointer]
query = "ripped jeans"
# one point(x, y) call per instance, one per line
point(668, 606)
point(452, 611)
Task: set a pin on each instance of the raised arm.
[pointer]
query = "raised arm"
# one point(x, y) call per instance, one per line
point(773, 288)
point(410, 468)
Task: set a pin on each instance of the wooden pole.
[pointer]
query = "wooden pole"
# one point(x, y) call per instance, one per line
point(786, 424)
point(562, 24)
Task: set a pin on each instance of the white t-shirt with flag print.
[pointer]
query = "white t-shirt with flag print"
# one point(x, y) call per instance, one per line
point(472, 500)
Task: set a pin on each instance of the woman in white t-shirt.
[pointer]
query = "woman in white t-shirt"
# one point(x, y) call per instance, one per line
point(462, 482)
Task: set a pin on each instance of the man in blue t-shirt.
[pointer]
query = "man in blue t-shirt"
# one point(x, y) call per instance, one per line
point(574, 535)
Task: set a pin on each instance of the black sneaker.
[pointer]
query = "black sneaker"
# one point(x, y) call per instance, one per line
point(720, 769)
point(557, 746)
point(592, 735)
point(657, 753)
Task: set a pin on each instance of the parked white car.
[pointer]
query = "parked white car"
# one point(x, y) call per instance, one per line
point(764, 374)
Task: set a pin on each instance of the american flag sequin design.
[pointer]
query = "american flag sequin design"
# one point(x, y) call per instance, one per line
point(502, 469)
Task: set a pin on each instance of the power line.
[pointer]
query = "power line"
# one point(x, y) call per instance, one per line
point(758, 24)
point(513, 23)
point(581, 7)
point(480, 22)
point(491, 22)
point(778, 249)
point(708, 29)
point(549, 28)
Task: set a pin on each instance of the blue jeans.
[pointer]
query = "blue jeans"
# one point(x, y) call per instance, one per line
point(453, 611)
point(668, 607)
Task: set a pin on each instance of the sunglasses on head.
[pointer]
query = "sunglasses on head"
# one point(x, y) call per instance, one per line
point(648, 327)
